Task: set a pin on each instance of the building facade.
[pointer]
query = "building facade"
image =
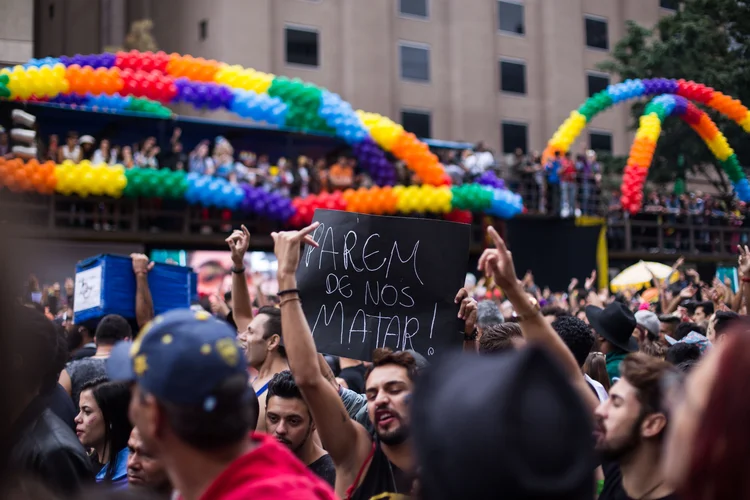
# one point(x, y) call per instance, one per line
point(506, 72)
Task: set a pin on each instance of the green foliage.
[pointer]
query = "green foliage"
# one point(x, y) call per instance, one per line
point(707, 41)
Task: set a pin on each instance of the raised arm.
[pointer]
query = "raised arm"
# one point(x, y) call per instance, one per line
point(144, 304)
point(743, 267)
point(346, 441)
point(498, 262)
point(242, 306)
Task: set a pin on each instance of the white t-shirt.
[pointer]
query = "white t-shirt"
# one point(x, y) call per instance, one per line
point(480, 161)
point(601, 392)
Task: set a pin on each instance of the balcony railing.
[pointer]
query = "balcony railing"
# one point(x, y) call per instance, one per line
point(703, 238)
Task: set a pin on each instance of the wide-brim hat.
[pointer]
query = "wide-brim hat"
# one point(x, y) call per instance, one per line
point(530, 437)
point(615, 323)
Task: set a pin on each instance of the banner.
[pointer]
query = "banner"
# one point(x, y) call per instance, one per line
point(383, 282)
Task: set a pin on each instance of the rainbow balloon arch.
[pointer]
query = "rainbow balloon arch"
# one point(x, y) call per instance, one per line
point(145, 82)
point(673, 97)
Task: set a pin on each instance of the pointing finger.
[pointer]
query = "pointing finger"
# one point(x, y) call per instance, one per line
point(499, 243)
point(309, 229)
point(310, 241)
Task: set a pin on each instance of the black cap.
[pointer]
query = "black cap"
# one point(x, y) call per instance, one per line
point(507, 426)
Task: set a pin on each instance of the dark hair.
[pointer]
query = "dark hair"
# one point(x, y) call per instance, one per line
point(113, 399)
point(722, 321)
point(557, 312)
point(708, 307)
point(384, 357)
point(499, 338)
point(684, 328)
point(58, 364)
point(235, 414)
point(577, 335)
point(74, 337)
point(645, 373)
point(283, 385)
point(682, 351)
point(112, 329)
point(273, 325)
point(34, 340)
point(595, 367)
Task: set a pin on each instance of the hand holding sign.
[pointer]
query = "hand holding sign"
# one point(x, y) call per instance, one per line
point(286, 246)
point(374, 282)
point(467, 310)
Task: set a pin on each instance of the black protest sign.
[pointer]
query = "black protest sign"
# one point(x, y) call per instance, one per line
point(383, 282)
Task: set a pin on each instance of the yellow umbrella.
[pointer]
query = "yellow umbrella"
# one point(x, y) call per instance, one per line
point(639, 275)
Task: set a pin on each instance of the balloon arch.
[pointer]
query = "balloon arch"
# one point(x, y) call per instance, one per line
point(674, 97)
point(145, 82)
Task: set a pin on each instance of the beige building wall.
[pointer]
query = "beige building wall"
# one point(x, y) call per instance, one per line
point(359, 54)
point(16, 31)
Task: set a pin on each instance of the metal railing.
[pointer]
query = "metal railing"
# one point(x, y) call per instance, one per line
point(704, 238)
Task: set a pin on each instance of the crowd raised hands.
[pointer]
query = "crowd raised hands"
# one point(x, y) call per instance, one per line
point(241, 404)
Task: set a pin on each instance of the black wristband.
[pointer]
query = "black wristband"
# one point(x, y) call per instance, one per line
point(470, 336)
point(281, 293)
point(238, 271)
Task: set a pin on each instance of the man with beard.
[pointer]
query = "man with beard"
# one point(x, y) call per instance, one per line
point(366, 466)
point(145, 471)
point(259, 336)
point(194, 410)
point(631, 426)
point(288, 419)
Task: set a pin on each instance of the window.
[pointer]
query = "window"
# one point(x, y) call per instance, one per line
point(668, 4)
point(414, 8)
point(514, 137)
point(417, 122)
point(597, 83)
point(597, 34)
point(513, 76)
point(510, 17)
point(302, 46)
point(600, 141)
point(415, 62)
point(203, 30)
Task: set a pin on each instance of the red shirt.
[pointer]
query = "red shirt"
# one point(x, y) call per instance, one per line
point(568, 170)
point(268, 472)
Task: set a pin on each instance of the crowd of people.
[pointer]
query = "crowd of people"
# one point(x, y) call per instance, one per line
point(554, 395)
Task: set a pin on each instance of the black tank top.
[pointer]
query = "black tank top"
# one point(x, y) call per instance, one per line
point(383, 480)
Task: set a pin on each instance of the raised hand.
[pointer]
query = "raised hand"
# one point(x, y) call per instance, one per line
point(573, 284)
point(498, 262)
point(141, 263)
point(286, 246)
point(743, 261)
point(468, 309)
point(688, 292)
point(589, 283)
point(238, 242)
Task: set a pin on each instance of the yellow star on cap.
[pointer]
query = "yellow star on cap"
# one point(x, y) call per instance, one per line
point(166, 339)
point(206, 349)
point(227, 349)
point(140, 365)
point(202, 315)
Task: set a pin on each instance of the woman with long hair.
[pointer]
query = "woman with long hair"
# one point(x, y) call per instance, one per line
point(595, 367)
point(102, 425)
point(707, 452)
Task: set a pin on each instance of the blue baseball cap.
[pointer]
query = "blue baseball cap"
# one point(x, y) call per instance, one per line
point(180, 357)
